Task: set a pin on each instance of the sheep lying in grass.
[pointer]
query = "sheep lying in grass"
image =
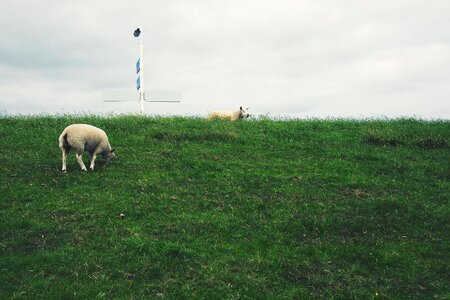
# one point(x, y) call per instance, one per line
point(83, 137)
point(229, 115)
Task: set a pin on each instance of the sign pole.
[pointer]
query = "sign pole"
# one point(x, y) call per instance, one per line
point(140, 69)
point(153, 96)
point(142, 85)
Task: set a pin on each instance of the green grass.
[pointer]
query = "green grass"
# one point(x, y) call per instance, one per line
point(299, 209)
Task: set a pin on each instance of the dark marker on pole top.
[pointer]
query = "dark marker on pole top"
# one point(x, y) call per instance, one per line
point(137, 32)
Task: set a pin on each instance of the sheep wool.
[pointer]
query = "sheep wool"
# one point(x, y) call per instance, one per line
point(229, 115)
point(81, 138)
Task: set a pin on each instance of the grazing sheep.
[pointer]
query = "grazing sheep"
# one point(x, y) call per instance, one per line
point(229, 115)
point(83, 137)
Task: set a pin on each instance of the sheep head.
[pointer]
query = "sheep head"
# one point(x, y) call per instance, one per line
point(243, 113)
point(109, 155)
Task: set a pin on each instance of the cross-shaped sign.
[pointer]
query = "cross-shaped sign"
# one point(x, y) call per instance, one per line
point(141, 94)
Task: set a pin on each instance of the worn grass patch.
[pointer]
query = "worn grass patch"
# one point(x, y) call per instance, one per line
point(211, 209)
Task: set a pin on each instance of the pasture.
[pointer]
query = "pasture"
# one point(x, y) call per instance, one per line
point(198, 209)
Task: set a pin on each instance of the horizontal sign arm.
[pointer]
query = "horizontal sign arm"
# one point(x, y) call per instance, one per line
point(133, 96)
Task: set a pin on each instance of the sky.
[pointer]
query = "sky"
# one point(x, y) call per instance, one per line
point(280, 58)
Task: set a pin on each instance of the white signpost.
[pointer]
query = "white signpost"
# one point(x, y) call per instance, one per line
point(141, 94)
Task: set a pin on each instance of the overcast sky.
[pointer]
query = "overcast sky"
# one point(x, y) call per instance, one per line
point(299, 58)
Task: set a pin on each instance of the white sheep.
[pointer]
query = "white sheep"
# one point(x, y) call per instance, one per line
point(83, 137)
point(229, 115)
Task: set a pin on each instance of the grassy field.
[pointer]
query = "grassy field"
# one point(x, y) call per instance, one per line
point(300, 209)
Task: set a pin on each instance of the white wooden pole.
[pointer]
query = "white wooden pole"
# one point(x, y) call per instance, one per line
point(153, 96)
point(142, 88)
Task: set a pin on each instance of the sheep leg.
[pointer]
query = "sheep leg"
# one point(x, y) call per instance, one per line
point(80, 161)
point(64, 160)
point(93, 157)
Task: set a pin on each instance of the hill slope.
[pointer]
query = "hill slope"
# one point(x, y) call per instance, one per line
point(284, 209)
